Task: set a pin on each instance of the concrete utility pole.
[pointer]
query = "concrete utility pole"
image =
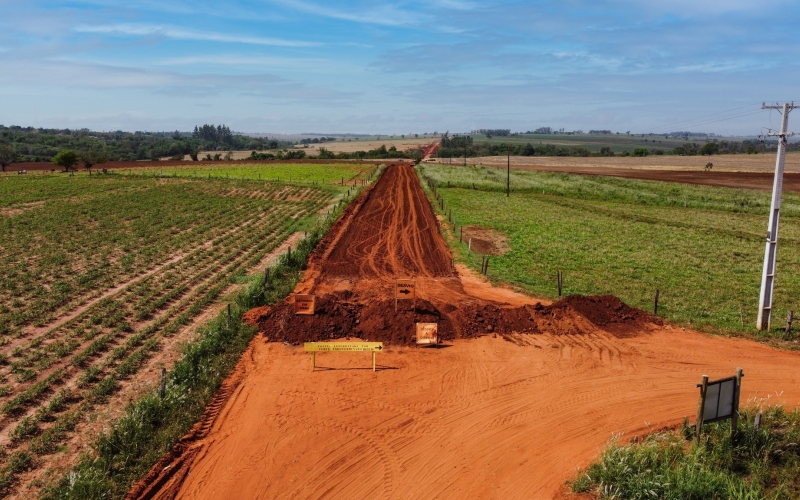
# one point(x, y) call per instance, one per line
point(768, 275)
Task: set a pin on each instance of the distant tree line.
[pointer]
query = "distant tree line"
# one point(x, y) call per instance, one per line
point(27, 144)
point(489, 132)
point(380, 153)
point(458, 146)
point(317, 140)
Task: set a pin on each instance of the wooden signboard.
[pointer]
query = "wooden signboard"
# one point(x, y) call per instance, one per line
point(304, 304)
point(406, 289)
point(427, 333)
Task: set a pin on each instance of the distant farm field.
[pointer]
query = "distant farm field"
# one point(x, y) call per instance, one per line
point(300, 173)
point(101, 271)
point(702, 247)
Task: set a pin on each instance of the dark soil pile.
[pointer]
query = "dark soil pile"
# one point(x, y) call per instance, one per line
point(340, 315)
point(337, 316)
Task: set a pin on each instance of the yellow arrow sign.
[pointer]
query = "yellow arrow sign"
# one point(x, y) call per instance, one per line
point(342, 346)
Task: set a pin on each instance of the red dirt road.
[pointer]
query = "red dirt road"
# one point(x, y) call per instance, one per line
point(508, 415)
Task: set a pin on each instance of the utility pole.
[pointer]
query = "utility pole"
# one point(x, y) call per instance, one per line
point(768, 275)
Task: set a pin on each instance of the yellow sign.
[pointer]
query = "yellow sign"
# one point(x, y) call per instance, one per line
point(304, 304)
point(427, 333)
point(406, 289)
point(342, 346)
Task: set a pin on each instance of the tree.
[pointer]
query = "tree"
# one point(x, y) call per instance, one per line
point(92, 157)
point(66, 159)
point(7, 156)
point(710, 149)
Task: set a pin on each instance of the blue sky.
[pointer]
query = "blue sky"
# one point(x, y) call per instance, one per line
point(293, 66)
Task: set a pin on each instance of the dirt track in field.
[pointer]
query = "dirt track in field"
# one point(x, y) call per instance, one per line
point(510, 414)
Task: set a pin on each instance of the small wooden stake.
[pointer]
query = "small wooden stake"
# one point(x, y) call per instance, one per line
point(461, 238)
point(266, 276)
point(757, 422)
point(469, 246)
point(560, 282)
point(737, 390)
point(655, 303)
point(789, 319)
point(373, 361)
point(162, 390)
point(229, 315)
point(486, 267)
point(699, 419)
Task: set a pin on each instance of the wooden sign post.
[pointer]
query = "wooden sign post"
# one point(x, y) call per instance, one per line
point(405, 289)
point(304, 304)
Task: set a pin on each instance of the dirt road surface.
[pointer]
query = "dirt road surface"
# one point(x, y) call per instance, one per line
point(496, 413)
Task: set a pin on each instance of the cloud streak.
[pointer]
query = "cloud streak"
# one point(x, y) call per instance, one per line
point(187, 34)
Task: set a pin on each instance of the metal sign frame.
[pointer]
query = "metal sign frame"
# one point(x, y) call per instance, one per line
point(713, 394)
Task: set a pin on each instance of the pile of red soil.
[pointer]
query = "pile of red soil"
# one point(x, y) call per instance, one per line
point(337, 316)
point(341, 315)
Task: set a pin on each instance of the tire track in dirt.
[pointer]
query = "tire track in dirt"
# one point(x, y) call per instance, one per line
point(509, 415)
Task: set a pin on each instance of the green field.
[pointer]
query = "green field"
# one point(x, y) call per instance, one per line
point(593, 142)
point(302, 173)
point(702, 247)
point(100, 270)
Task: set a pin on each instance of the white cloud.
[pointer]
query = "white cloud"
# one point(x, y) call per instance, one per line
point(386, 15)
point(184, 34)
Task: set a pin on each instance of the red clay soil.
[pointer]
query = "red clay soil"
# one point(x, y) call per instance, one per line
point(524, 394)
point(740, 180)
point(430, 150)
point(395, 235)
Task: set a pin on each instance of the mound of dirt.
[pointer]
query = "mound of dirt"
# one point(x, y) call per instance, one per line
point(341, 315)
point(337, 316)
point(607, 312)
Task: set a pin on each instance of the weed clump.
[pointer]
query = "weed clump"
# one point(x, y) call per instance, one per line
point(754, 463)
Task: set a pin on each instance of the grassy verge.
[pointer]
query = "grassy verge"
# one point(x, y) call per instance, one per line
point(151, 426)
point(753, 464)
point(701, 246)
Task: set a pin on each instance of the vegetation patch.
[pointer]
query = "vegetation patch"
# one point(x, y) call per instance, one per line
point(754, 463)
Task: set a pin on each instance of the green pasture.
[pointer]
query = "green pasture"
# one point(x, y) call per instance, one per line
point(702, 247)
point(285, 172)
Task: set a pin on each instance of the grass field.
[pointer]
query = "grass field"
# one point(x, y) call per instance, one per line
point(702, 247)
point(100, 270)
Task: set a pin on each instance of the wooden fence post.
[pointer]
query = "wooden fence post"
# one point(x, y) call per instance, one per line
point(655, 303)
point(737, 390)
point(229, 315)
point(162, 390)
point(560, 282)
point(789, 318)
point(266, 276)
point(699, 419)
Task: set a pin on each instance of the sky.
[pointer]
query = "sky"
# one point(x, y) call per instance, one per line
point(314, 66)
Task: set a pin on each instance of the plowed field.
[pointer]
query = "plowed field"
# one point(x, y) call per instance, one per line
point(524, 393)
